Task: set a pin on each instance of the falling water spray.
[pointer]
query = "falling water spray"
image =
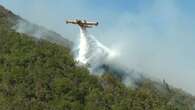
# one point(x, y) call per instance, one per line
point(91, 51)
point(83, 46)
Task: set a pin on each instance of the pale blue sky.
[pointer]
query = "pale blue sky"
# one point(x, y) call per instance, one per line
point(153, 36)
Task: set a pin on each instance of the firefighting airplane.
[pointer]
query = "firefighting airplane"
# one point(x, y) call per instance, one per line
point(82, 23)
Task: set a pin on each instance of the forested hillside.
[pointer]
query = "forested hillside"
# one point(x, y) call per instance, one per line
point(39, 75)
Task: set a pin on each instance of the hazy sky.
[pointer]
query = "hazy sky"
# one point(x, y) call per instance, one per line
point(153, 36)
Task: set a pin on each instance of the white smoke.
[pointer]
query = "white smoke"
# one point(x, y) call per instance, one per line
point(100, 59)
point(25, 27)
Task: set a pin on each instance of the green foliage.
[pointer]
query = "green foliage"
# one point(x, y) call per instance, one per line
point(38, 75)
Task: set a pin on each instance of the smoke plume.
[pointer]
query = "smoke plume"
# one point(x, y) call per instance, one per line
point(100, 59)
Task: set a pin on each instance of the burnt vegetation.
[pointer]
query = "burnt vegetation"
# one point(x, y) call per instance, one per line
point(39, 75)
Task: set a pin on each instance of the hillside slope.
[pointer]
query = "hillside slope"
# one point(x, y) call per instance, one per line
point(15, 22)
point(38, 75)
